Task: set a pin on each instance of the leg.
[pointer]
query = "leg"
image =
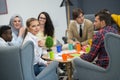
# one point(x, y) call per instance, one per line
point(69, 70)
point(38, 68)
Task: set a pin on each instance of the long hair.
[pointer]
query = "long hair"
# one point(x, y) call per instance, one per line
point(49, 28)
point(28, 23)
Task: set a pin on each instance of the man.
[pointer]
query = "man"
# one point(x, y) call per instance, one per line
point(5, 35)
point(102, 24)
point(80, 29)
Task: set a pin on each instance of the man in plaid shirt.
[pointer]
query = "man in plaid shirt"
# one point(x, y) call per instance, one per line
point(102, 23)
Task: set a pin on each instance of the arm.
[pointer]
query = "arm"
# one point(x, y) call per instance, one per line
point(17, 40)
point(97, 40)
point(90, 33)
point(71, 34)
point(38, 52)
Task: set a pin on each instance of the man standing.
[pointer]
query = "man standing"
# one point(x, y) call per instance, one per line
point(80, 29)
point(102, 24)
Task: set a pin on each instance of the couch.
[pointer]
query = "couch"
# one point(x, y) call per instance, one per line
point(16, 63)
point(84, 70)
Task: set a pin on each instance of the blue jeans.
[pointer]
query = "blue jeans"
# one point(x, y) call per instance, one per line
point(38, 68)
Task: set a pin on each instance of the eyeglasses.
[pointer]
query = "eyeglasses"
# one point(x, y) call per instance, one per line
point(42, 18)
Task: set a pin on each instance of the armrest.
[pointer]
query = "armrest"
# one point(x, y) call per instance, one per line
point(49, 70)
point(78, 62)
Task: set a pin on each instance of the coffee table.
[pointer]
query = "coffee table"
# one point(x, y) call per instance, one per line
point(68, 63)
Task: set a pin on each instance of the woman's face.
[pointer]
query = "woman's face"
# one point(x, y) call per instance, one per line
point(34, 27)
point(17, 23)
point(42, 19)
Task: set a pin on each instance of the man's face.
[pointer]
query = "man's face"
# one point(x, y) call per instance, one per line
point(97, 23)
point(80, 19)
point(8, 35)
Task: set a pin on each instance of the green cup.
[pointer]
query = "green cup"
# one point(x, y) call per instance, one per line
point(88, 49)
point(51, 54)
point(70, 46)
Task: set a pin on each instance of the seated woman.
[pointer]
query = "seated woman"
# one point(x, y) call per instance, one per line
point(33, 28)
point(16, 24)
point(47, 28)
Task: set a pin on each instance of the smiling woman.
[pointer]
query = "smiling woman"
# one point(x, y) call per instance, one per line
point(3, 7)
point(22, 8)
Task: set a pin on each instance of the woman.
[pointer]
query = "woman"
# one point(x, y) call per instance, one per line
point(16, 24)
point(33, 28)
point(47, 28)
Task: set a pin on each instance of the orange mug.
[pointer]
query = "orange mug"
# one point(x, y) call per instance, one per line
point(78, 47)
point(64, 57)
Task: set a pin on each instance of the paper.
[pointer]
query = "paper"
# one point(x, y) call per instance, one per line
point(75, 55)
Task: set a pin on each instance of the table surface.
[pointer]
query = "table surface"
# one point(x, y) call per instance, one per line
point(71, 54)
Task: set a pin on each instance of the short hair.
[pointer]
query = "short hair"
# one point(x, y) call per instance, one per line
point(104, 16)
point(105, 11)
point(3, 29)
point(76, 12)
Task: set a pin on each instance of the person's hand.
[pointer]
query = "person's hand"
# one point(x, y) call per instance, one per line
point(41, 43)
point(76, 42)
point(21, 31)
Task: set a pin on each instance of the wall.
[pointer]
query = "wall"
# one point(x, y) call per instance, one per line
point(92, 6)
point(31, 8)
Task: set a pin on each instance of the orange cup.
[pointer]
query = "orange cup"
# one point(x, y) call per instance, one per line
point(78, 47)
point(64, 57)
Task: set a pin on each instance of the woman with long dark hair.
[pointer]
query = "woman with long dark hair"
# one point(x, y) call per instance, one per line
point(47, 28)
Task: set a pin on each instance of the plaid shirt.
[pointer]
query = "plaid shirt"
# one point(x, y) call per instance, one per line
point(98, 49)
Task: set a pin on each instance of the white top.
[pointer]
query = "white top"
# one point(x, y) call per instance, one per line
point(78, 26)
point(41, 36)
point(16, 39)
point(4, 43)
point(37, 49)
